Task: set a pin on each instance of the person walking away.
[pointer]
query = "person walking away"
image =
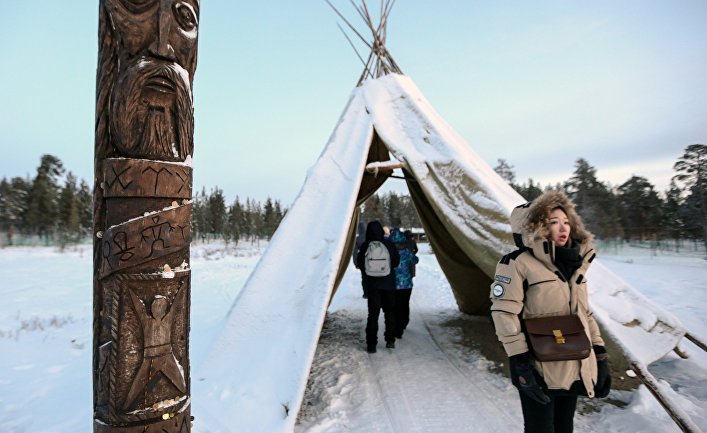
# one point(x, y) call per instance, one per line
point(545, 277)
point(377, 259)
point(360, 238)
point(403, 280)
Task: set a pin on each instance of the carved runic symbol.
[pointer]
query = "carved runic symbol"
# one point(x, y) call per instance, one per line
point(118, 179)
point(121, 242)
point(157, 175)
point(158, 356)
point(185, 177)
point(157, 234)
point(124, 252)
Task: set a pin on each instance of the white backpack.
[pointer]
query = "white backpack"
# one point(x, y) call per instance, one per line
point(377, 260)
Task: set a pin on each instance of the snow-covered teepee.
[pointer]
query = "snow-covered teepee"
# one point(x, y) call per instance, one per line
point(255, 375)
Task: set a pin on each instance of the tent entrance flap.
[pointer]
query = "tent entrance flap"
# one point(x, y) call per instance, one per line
point(370, 183)
point(470, 285)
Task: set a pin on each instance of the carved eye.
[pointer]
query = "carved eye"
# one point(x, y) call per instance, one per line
point(186, 17)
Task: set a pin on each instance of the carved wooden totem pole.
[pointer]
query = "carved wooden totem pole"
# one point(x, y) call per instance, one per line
point(142, 215)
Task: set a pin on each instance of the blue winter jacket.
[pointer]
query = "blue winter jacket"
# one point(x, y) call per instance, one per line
point(408, 259)
point(403, 273)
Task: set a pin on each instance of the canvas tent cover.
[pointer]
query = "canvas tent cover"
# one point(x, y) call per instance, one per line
point(464, 206)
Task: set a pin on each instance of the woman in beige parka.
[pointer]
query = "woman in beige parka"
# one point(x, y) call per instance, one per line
point(546, 276)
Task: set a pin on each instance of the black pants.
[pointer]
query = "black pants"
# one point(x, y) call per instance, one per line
point(378, 299)
point(555, 417)
point(402, 310)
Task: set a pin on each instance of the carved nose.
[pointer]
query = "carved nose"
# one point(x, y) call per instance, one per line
point(162, 47)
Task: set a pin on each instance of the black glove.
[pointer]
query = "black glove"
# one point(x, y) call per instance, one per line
point(603, 386)
point(523, 378)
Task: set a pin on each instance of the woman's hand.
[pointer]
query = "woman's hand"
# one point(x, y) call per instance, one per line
point(523, 378)
point(603, 385)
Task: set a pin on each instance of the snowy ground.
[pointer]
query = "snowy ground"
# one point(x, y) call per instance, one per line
point(436, 380)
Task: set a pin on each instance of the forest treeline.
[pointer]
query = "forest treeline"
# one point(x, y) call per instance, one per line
point(56, 207)
point(634, 210)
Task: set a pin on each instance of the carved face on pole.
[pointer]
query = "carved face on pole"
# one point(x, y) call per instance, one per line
point(151, 103)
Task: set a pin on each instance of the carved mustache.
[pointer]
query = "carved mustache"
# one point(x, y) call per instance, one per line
point(162, 77)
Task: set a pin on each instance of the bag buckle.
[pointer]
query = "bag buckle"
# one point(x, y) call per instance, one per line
point(559, 339)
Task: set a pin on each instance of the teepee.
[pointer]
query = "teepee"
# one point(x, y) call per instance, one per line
point(464, 207)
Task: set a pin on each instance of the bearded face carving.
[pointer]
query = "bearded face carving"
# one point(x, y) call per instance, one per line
point(151, 101)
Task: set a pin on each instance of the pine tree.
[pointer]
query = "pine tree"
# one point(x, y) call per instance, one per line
point(505, 170)
point(41, 216)
point(84, 197)
point(13, 205)
point(69, 227)
point(279, 213)
point(269, 220)
point(594, 200)
point(198, 214)
point(693, 215)
point(234, 225)
point(255, 220)
point(672, 224)
point(394, 209)
point(216, 212)
point(691, 170)
point(529, 192)
point(640, 209)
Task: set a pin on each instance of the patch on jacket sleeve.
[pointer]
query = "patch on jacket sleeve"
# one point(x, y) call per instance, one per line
point(502, 279)
point(498, 290)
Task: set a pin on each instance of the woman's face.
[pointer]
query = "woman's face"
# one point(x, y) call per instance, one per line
point(559, 227)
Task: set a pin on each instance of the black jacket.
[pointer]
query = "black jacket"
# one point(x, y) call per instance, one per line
point(374, 232)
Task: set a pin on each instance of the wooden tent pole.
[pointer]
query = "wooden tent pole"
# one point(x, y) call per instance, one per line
point(374, 167)
point(698, 342)
point(681, 418)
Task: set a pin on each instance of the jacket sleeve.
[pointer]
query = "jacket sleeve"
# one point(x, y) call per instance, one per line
point(594, 332)
point(593, 327)
point(507, 296)
point(394, 255)
point(361, 255)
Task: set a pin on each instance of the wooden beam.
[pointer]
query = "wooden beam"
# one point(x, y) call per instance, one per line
point(681, 418)
point(681, 353)
point(375, 167)
point(701, 344)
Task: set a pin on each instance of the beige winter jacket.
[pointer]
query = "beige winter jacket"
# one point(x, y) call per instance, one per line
point(528, 284)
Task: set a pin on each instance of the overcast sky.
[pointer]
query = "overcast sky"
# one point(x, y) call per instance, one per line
point(539, 83)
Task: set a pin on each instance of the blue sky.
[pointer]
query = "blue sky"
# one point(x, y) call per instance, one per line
point(620, 83)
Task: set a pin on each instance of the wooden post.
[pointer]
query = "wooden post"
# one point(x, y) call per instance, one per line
point(698, 342)
point(681, 418)
point(142, 215)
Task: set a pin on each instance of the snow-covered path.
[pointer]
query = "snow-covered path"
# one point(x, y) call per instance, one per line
point(420, 368)
point(418, 387)
point(423, 385)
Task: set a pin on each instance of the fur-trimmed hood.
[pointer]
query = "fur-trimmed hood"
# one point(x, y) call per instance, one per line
point(528, 221)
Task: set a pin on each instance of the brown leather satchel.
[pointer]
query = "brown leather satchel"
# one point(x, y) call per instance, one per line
point(557, 338)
